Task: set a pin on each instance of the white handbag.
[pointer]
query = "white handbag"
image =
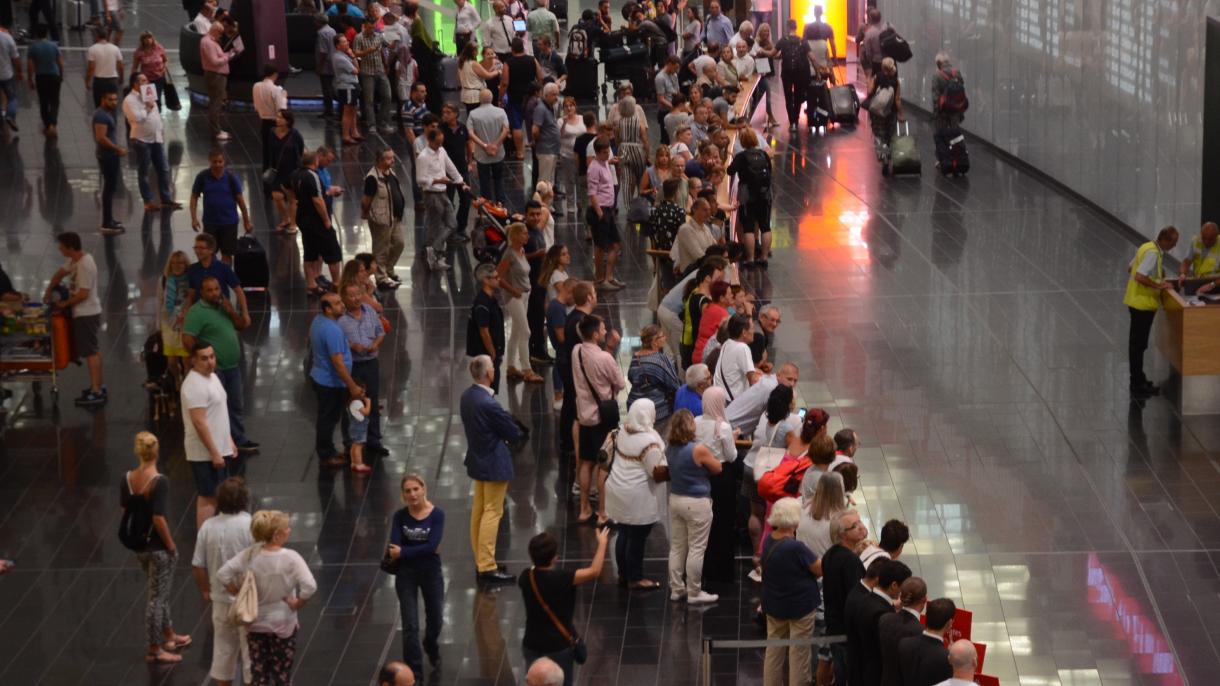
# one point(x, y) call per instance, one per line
point(767, 457)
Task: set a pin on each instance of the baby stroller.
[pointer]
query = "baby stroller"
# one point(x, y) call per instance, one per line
point(159, 381)
point(489, 243)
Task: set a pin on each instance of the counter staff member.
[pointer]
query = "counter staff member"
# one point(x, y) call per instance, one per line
point(1204, 257)
point(1143, 298)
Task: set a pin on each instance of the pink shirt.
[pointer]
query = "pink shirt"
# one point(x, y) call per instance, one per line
point(213, 56)
point(603, 371)
point(601, 183)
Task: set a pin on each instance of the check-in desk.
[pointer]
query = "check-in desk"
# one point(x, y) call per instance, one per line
point(1190, 339)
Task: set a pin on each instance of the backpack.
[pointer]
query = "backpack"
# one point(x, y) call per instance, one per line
point(953, 99)
point(136, 524)
point(785, 480)
point(578, 42)
point(757, 175)
point(792, 57)
point(894, 45)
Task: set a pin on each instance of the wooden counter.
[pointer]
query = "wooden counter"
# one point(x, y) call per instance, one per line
point(1190, 336)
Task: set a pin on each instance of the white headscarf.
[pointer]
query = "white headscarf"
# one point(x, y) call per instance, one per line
point(637, 430)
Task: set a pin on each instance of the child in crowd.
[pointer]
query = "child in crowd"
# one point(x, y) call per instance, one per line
point(358, 429)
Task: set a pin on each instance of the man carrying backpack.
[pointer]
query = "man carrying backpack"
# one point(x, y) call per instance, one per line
point(794, 72)
point(949, 101)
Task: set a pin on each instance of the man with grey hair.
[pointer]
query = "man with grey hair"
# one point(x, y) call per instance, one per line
point(764, 336)
point(488, 128)
point(489, 429)
point(544, 672)
point(949, 101)
point(485, 328)
point(545, 133)
point(964, 660)
point(841, 572)
point(690, 394)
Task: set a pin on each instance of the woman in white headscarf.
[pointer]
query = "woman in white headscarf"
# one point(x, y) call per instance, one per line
point(636, 472)
point(713, 430)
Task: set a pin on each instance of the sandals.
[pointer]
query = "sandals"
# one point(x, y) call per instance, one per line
point(163, 657)
point(361, 468)
point(644, 585)
point(514, 374)
point(532, 377)
point(178, 642)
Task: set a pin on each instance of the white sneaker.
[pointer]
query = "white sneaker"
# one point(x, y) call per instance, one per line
point(557, 405)
point(677, 596)
point(755, 576)
point(223, 136)
point(430, 256)
point(441, 265)
point(576, 489)
point(703, 598)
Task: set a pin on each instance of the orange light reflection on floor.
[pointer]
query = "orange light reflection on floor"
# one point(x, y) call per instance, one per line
point(836, 229)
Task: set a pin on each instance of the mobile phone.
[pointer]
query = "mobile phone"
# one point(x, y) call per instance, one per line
point(801, 412)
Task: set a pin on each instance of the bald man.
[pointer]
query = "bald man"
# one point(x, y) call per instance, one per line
point(964, 660)
point(544, 672)
point(1204, 257)
point(395, 673)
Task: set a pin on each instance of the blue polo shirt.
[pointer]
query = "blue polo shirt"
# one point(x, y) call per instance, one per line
point(324, 177)
point(45, 56)
point(196, 273)
point(219, 197)
point(327, 338)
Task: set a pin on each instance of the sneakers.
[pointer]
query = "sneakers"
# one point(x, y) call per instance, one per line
point(701, 598)
point(88, 397)
point(576, 489)
point(112, 229)
point(435, 262)
point(755, 576)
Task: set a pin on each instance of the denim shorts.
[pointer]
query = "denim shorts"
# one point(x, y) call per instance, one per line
point(358, 431)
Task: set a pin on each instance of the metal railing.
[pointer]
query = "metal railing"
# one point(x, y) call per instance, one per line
point(705, 661)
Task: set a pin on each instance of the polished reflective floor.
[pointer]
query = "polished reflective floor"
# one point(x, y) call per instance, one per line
point(970, 330)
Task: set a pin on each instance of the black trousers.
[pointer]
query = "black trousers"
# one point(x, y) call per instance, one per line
point(535, 314)
point(629, 550)
point(48, 97)
point(567, 412)
point(328, 93)
point(266, 130)
point(794, 95)
point(331, 403)
point(1137, 343)
point(45, 8)
point(661, 120)
point(461, 202)
point(367, 372)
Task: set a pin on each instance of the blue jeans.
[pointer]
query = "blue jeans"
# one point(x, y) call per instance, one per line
point(10, 97)
point(231, 380)
point(152, 155)
point(491, 182)
point(109, 165)
point(413, 580)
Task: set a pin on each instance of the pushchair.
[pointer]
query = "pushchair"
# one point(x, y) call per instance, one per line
point(489, 243)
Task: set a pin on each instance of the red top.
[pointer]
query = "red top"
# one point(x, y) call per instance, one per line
point(713, 315)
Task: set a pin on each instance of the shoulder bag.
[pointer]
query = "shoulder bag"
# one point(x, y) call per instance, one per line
point(388, 564)
point(580, 652)
point(605, 454)
point(607, 410)
point(244, 610)
point(768, 457)
point(170, 92)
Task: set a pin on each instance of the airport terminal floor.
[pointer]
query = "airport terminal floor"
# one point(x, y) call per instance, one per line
point(970, 330)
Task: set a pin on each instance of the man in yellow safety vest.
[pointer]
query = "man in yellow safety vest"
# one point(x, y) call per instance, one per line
point(1204, 257)
point(1145, 283)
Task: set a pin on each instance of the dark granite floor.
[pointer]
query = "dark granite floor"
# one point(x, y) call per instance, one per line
point(970, 330)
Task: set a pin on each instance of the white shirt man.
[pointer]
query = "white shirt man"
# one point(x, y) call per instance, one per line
point(220, 539)
point(269, 98)
point(203, 21)
point(144, 121)
point(734, 368)
point(467, 20)
point(433, 164)
point(106, 58)
point(206, 393)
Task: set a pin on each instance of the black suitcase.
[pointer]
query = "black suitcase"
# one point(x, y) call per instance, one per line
point(250, 264)
point(952, 158)
point(582, 78)
point(817, 105)
point(844, 105)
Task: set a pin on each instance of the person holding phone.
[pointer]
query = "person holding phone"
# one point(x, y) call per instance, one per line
point(549, 595)
point(415, 538)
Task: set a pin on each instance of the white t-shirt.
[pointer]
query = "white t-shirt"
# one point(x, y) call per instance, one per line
point(105, 58)
point(871, 554)
point(83, 274)
point(220, 539)
point(717, 436)
point(733, 368)
point(357, 409)
point(199, 391)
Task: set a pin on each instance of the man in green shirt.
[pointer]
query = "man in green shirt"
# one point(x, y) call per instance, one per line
point(213, 319)
point(541, 22)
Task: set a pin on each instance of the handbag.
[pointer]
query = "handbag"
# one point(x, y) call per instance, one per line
point(640, 210)
point(607, 410)
point(882, 102)
point(606, 453)
point(767, 457)
point(390, 565)
point(170, 91)
point(244, 610)
point(580, 652)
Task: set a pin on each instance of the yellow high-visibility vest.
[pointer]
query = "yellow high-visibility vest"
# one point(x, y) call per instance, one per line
point(1207, 260)
point(1139, 296)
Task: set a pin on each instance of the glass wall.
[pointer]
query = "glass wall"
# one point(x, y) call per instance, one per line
point(1105, 96)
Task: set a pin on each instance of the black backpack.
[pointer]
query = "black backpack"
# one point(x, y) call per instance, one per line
point(894, 45)
point(757, 175)
point(136, 525)
point(953, 99)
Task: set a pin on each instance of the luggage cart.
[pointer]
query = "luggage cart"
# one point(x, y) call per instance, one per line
point(34, 346)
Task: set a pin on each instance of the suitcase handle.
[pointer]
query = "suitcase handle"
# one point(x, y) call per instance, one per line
point(899, 126)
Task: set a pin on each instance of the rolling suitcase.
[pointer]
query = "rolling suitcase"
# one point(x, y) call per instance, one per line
point(582, 78)
point(817, 106)
point(844, 105)
point(450, 81)
point(904, 152)
point(952, 158)
point(250, 263)
point(79, 13)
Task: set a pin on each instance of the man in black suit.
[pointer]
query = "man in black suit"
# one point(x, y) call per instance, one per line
point(841, 572)
point(865, 607)
point(894, 627)
point(924, 659)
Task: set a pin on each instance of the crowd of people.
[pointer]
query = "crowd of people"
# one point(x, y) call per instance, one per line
point(715, 441)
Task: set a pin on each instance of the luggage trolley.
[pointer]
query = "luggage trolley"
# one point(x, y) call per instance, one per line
point(34, 345)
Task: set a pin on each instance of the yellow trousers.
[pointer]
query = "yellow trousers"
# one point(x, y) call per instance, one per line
point(485, 514)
